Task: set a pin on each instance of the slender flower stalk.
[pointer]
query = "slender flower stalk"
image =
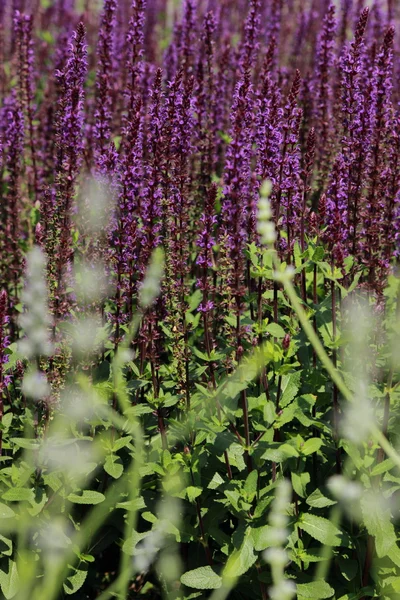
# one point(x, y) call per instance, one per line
point(24, 47)
point(11, 233)
point(69, 135)
point(104, 81)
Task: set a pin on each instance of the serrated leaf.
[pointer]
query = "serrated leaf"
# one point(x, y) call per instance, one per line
point(9, 580)
point(18, 494)
point(27, 444)
point(139, 409)
point(136, 504)
point(129, 546)
point(394, 554)
point(275, 330)
point(377, 521)
point(242, 559)
point(348, 567)
point(86, 497)
point(317, 590)
point(203, 578)
point(250, 485)
point(5, 546)
point(383, 467)
point(122, 442)
point(113, 466)
point(215, 482)
point(279, 452)
point(6, 512)
point(193, 492)
point(290, 388)
point(321, 529)
point(366, 591)
point(318, 500)
point(311, 446)
point(299, 482)
point(262, 505)
point(75, 580)
point(262, 538)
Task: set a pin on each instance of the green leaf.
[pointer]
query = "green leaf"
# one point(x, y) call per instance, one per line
point(382, 467)
point(6, 512)
point(28, 444)
point(348, 567)
point(86, 497)
point(215, 482)
point(113, 466)
point(122, 442)
point(250, 485)
point(193, 492)
point(195, 299)
point(317, 590)
point(262, 538)
point(203, 578)
point(18, 494)
point(275, 330)
point(9, 581)
point(290, 388)
point(279, 452)
point(318, 500)
point(139, 410)
point(378, 524)
point(321, 529)
point(136, 504)
point(394, 554)
point(5, 546)
point(311, 446)
point(242, 559)
point(76, 580)
point(299, 482)
point(130, 544)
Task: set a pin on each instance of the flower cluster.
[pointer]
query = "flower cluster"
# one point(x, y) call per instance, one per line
point(179, 131)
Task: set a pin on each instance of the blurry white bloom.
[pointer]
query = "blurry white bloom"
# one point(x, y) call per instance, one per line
point(359, 327)
point(276, 556)
point(78, 405)
point(35, 321)
point(284, 590)
point(358, 418)
point(96, 205)
point(35, 385)
point(54, 538)
point(265, 227)
point(91, 283)
point(150, 288)
point(286, 275)
point(146, 550)
point(75, 458)
point(86, 334)
point(344, 489)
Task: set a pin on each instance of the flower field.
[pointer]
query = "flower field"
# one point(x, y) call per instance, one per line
point(199, 299)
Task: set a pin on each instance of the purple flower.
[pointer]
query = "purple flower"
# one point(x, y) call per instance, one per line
point(70, 121)
point(135, 50)
point(104, 80)
point(237, 183)
point(4, 340)
point(322, 92)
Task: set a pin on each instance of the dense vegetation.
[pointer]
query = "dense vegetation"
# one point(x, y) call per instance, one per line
point(199, 299)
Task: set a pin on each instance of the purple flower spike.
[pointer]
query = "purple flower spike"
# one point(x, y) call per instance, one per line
point(4, 339)
point(104, 81)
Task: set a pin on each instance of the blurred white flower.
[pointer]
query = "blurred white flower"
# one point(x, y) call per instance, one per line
point(35, 385)
point(150, 288)
point(35, 321)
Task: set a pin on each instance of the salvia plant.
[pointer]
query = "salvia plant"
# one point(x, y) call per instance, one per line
point(199, 299)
